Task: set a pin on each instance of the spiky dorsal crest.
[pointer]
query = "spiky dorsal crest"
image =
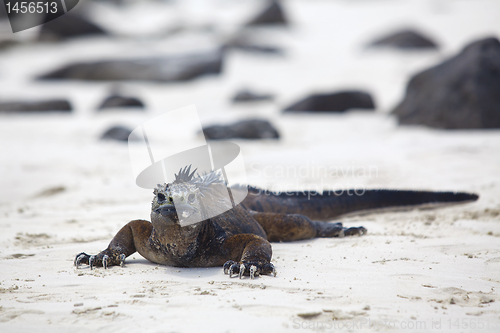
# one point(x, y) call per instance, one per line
point(185, 175)
point(204, 183)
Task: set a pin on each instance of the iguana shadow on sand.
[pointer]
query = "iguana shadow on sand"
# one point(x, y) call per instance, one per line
point(238, 239)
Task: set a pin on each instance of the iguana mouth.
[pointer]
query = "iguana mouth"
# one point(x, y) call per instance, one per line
point(166, 210)
point(184, 209)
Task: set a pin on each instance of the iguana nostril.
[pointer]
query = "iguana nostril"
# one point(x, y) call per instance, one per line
point(161, 197)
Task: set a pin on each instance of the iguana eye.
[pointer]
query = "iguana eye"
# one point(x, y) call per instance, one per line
point(191, 197)
point(161, 197)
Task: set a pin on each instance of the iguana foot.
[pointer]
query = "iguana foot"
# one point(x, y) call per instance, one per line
point(100, 260)
point(81, 258)
point(251, 269)
point(355, 231)
point(325, 229)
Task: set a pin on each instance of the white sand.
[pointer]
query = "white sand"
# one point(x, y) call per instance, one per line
point(421, 270)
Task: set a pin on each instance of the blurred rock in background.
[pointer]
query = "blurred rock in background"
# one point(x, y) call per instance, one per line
point(36, 106)
point(246, 95)
point(406, 39)
point(461, 93)
point(165, 69)
point(272, 14)
point(245, 43)
point(334, 102)
point(245, 129)
point(118, 133)
point(70, 25)
point(119, 101)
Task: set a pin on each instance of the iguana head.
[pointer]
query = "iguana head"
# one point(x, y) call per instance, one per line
point(189, 198)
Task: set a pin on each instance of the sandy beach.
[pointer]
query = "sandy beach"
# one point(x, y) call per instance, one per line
point(64, 191)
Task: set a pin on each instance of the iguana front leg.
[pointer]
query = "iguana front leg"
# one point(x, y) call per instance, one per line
point(250, 256)
point(131, 238)
point(292, 227)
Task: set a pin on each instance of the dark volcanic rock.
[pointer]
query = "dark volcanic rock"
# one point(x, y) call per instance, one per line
point(248, 96)
point(256, 48)
point(245, 129)
point(248, 44)
point(272, 14)
point(69, 26)
point(462, 92)
point(117, 101)
point(117, 133)
point(7, 43)
point(38, 106)
point(165, 69)
point(407, 39)
point(335, 102)
point(3, 12)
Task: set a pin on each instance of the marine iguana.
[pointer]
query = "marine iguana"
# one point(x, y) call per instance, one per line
point(238, 240)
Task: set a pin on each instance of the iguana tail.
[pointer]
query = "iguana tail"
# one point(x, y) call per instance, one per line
point(328, 205)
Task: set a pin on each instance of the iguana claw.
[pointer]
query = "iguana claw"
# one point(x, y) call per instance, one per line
point(122, 260)
point(253, 270)
point(242, 270)
point(227, 265)
point(234, 267)
point(91, 262)
point(98, 260)
point(248, 269)
point(78, 259)
point(105, 261)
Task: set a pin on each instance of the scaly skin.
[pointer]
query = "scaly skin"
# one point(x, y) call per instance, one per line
point(238, 239)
